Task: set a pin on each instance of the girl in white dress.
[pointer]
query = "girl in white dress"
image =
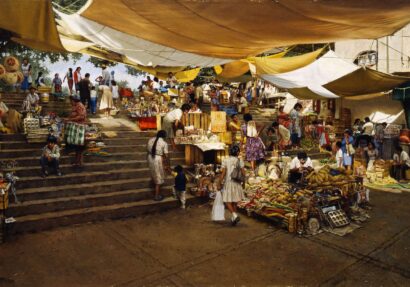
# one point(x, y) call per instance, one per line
point(232, 190)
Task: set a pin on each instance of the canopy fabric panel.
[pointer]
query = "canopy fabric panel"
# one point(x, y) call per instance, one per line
point(327, 68)
point(306, 82)
point(234, 69)
point(137, 50)
point(363, 82)
point(31, 23)
point(270, 66)
point(222, 28)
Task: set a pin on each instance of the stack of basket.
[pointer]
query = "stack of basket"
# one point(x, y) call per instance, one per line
point(30, 124)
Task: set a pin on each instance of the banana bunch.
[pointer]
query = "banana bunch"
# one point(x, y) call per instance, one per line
point(324, 178)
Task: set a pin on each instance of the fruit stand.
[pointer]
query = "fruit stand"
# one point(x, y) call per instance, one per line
point(325, 198)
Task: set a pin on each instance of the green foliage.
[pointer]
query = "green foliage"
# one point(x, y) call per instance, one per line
point(97, 62)
point(69, 6)
point(122, 84)
point(135, 72)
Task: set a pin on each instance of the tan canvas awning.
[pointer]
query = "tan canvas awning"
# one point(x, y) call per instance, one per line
point(31, 23)
point(239, 29)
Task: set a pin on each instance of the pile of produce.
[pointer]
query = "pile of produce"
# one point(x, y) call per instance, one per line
point(9, 72)
point(309, 143)
point(327, 176)
point(271, 198)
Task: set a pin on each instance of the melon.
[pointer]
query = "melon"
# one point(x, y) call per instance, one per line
point(9, 78)
point(11, 64)
point(20, 77)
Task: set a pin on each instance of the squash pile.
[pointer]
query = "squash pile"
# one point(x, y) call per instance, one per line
point(9, 71)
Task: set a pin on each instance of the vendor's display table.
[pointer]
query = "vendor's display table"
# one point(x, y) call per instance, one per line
point(194, 153)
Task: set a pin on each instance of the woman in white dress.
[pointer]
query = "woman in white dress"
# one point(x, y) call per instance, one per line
point(106, 103)
point(232, 190)
point(157, 149)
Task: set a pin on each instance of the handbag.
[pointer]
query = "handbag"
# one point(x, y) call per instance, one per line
point(236, 174)
point(350, 149)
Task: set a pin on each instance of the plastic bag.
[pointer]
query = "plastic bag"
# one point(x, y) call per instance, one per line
point(218, 209)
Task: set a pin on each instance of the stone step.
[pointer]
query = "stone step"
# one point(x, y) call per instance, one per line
point(23, 144)
point(82, 201)
point(67, 168)
point(65, 159)
point(36, 193)
point(16, 153)
point(44, 221)
point(83, 177)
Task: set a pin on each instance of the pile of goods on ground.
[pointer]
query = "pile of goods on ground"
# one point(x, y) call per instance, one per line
point(323, 198)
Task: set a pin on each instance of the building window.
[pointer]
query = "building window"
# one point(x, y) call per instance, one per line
point(366, 58)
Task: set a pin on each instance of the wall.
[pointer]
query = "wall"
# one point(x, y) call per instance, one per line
point(400, 47)
point(385, 104)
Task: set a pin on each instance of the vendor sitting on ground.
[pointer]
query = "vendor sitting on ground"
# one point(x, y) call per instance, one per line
point(50, 157)
point(299, 166)
point(31, 101)
point(172, 120)
point(401, 163)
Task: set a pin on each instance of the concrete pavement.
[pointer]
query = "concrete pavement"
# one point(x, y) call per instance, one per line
point(184, 248)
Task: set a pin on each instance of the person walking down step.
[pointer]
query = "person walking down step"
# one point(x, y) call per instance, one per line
point(157, 149)
point(180, 185)
point(50, 157)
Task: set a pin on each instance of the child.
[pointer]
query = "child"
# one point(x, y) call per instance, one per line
point(180, 185)
point(93, 101)
point(115, 94)
point(339, 154)
point(50, 157)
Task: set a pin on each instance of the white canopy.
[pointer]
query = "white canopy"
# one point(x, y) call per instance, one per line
point(137, 50)
point(313, 76)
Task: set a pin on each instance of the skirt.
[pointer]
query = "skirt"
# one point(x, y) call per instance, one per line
point(255, 150)
point(106, 101)
point(156, 169)
point(25, 84)
point(168, 127)
point(232, 192)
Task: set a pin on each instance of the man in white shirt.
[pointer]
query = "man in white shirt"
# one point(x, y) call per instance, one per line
point(401, 163)
point(105, 75)
point(171, 80)
point(368, 127)
point(172, 120)
point(31, 100)
point(298, 166)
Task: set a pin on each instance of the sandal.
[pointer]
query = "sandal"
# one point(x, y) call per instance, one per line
point(159, 198)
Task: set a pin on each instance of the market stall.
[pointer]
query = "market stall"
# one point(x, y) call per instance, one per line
point(324, 199)
point(204, 138)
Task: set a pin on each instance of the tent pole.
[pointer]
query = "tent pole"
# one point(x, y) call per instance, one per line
point(387, 55)
point(377, 51)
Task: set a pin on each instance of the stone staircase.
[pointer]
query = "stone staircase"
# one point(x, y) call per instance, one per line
point(110, 187)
